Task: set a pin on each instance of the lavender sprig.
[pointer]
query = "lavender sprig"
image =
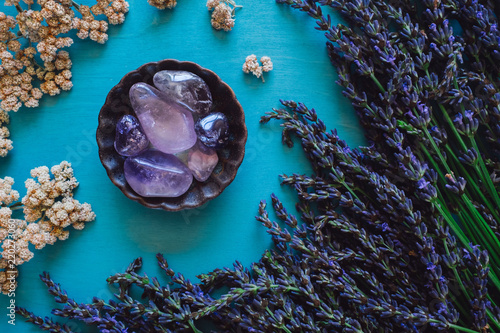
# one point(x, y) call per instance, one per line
point(423, 102)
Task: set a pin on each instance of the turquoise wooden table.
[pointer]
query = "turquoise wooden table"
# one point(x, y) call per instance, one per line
point(194, 241)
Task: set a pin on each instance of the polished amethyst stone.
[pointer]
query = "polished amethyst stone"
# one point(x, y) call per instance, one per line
point(130, 139)
point(213, 130)
point(156, 174)
point(201, 160)
point(186, 87)
point(167, 122)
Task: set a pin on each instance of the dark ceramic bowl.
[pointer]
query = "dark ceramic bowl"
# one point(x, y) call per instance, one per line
point(118, 104)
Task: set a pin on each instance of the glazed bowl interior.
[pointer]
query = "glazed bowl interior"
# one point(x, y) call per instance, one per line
point(117, 105)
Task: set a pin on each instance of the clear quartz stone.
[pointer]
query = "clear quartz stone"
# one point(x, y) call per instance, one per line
point(153, 173)
point(167, 122)
point(187, 87)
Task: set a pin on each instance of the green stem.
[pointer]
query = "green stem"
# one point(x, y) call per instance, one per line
point(282, 326)
point(439, 204)
point(468, 221)
point(193, 327)
point(453, 128)
point(459, 280)
point(477, 236)
point(485, 175)
point(472, 182)
point(452, 224)
point(493, 318)
point(485, 226)
point(456, 327)
point(467, 201)
point(377, 82)
point(77, 6)
point(17, 205)
point(436, 150)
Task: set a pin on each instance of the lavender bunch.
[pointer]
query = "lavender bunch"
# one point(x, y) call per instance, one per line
point(428, 98)
point(385, 262)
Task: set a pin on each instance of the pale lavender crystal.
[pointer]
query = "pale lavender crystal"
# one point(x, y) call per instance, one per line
point(187, 87)
point(168, 124)
point(156, 174)
point(130, 139)
point(201, 160)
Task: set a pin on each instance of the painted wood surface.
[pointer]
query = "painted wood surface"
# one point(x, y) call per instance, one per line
point(196, 241)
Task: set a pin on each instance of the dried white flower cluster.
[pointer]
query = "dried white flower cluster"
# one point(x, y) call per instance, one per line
point(251, 65)
point(48, 207)
point(114, 10)
point(222, 13)
point(163, 4)
point(23, 78)
point(5, 143)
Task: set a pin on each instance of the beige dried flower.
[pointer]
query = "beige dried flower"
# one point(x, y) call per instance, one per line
point(211, 4)
point(5, 142)
point(222, 18)
point(222, 14)
point(49, 208)
point(251, 65)
point(116, 11)
point(99, 7)
point(267, 64)
point(6, 24)
point(163, 4)
point(7, 194)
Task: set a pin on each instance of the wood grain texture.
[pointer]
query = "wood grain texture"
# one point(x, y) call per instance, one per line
point(197, 241)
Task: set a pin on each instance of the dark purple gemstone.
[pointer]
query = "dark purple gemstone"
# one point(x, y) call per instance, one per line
point(130, 139)
point(213, 130)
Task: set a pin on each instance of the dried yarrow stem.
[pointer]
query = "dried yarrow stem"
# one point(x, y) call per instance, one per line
point(222, 13)
point(41, 34)
point(48, 207)
point(251, 65)
point(163, 4)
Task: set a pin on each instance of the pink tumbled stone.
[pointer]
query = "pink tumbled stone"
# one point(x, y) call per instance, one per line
point(201, 161)
point(167, 122)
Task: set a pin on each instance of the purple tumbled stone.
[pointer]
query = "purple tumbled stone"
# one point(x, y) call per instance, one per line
point(186, 87)
point(213, 130)
point(130, 139)
point(167, 122)
point(201, 160)
point(156, 174)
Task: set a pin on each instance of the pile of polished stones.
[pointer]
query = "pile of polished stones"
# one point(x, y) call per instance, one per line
point(173, 136)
